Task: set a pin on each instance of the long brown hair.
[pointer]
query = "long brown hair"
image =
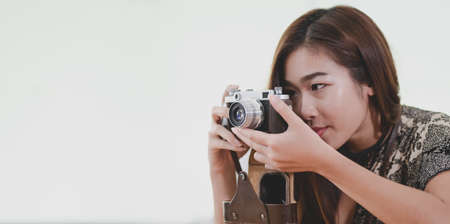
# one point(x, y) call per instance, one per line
point(354, 41)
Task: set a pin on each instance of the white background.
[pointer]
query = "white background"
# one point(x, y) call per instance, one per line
point(105, 105)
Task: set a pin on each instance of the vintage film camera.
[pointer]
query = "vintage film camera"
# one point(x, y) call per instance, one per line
point(262, 196)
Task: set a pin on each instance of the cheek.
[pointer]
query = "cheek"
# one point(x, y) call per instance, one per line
point(344, 106)
point(332, 107)
point(343, 111)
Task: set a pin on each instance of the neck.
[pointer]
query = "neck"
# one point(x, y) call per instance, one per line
point(367, 134)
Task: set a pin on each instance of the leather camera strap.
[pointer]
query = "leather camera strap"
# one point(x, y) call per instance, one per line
point(245, 207)
point(237, 165)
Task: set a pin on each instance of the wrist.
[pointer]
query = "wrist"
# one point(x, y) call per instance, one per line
point(222, 168)
point(220, 172)
point(327, 160)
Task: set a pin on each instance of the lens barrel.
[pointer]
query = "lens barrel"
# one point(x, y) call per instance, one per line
point(246, 114)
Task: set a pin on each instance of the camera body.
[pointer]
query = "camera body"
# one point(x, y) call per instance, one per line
point(252, 109)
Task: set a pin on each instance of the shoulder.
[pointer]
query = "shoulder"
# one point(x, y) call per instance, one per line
point(412, 116)
point(426, 139)
point(428, 128)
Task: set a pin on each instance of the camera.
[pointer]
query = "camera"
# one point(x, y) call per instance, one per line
point(275, 190)
point(252, 109)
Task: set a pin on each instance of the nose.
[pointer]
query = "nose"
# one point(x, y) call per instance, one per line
point(307, 107)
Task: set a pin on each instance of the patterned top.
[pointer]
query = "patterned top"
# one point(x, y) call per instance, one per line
point(417, 150)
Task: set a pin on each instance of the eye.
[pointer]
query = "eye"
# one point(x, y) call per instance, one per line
point(315, 87)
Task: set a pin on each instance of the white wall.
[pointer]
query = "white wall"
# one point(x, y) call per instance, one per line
point(105, 105)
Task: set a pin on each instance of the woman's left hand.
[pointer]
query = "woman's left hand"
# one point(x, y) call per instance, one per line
point(298, 149)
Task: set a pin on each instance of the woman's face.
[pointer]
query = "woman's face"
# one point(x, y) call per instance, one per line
point(328, 99)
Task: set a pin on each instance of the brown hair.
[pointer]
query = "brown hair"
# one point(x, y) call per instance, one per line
point(354, 41)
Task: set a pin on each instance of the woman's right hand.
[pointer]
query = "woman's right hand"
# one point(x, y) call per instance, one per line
point(221, 140)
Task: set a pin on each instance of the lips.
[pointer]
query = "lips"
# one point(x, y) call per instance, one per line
point(319, 130)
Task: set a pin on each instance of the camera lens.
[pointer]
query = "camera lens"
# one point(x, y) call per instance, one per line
point(246, 114)
point(237, 114)
point(240, 114)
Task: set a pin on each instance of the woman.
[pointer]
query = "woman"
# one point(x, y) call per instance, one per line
point(361, 155)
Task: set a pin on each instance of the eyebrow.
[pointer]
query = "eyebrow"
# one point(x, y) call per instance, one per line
point(308, 77)
point(311, 76)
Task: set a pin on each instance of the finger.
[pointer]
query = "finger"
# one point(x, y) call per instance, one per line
point(217, 143)
point(218, 113)
point(254, 135)
point(283, 109)
point(260, 157)
point(227, 90)
point(226, 135)
point(254, 145)
point(265, 160)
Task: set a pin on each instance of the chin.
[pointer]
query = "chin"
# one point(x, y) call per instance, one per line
point(335, 144)
point(330, 143)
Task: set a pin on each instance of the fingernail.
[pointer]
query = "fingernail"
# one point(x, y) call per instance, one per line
point(234, 129)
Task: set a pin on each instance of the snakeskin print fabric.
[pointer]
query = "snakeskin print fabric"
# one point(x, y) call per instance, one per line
point(418, 149)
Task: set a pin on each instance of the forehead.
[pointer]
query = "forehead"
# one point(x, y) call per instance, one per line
point(305, 61)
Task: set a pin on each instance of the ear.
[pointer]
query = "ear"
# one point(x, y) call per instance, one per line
point(368, 90)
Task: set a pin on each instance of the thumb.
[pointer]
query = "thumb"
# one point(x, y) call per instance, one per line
point(284, 110)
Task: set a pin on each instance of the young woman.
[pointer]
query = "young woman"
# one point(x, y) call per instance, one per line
point(361, 155)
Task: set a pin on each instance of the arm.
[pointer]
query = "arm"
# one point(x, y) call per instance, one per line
point(224, 186)
point(389, 201)
point(221, 167)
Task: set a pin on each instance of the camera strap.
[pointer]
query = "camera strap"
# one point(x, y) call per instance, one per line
point(237, 165)
point(245, 207)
